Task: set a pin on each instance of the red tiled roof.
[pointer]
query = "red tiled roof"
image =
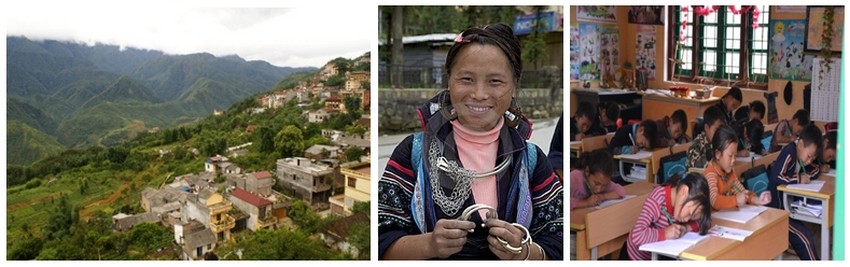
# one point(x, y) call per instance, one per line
point(250, 198)
point(262, 175)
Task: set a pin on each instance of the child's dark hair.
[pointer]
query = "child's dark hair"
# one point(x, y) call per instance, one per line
point(650, 131)
point(723, 138)
point(597, 161)
point(831, 138)
point(681, 118)
point(612, 110)
point(697, 192)
point(500, 35)
point(585, 109)
point(758, 107)
point(713, 114)
point(802, 117)
point(735, 93)
point(755, 132)
point(811, 134)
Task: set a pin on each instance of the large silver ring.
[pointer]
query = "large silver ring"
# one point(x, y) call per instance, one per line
point(466, 215)
point(525, 240)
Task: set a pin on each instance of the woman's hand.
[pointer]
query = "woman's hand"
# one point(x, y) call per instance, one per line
point(448, 237)
point(509, 233)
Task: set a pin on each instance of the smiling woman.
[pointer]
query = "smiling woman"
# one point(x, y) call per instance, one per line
point(469, 186)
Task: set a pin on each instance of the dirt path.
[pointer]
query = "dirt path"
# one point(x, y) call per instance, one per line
point(31, 202)
point(90, 208)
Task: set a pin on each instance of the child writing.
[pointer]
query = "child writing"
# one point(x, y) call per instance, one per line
point(753, 128)
point(679, 206)
point(830, 150)
point(790, 168)
point(632, 138)
point(725, 190)
point(713, 119)
point(609, 112)
point(582, 124)
point(787, 130)
point(673, 129)
point(591, 184)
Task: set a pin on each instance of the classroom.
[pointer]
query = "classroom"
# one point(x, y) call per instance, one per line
point(705, 132)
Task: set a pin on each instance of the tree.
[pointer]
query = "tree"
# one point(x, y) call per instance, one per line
point(289, 142)
point(62, 218)
point(396, 71)
point(25, 249)
point(306, 219)
point(534, 47)
point(353, 153)
point(361, 207)
point(359, 238)
point(148, 238)
point(355, 129)
point(266, 139)
point(335, 80)
point(352, 106)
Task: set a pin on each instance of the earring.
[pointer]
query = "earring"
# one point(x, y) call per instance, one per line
point(513, 115)
point(446, 108)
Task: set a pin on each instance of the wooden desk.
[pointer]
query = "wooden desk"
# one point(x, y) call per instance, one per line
point(602, 231)
point(744, 164)
point(589, 144)
point(657, 106)
point(768, 241)
point(635, 159)
point(826, 195)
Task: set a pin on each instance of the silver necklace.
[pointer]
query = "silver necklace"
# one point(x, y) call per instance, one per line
point(461, 176)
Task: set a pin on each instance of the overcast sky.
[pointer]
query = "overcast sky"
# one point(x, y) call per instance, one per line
point(293, 37)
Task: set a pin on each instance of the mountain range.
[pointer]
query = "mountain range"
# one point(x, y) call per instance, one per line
point(64, 95)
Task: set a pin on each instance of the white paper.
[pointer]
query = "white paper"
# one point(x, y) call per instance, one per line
point(637, 156)
point(812, 186)
point(610, 202)
point(729, 232)
point(815, 210)
point(674, 247)
point(743, 215)
point(752, 157)
point(575, 143)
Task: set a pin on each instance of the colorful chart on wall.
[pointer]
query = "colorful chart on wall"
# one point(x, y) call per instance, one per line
point(653, 15)
point(645, 46)
point(609, 54)
point(589, 52)
point(574, 52)
point(605, 14)
point(787, 58)
point(814, 29)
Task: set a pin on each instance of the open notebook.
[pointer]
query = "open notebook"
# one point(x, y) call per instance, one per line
point(729, 232)
point(610, 202)
point(674, 247)
point(813, 186)
point(742, 215)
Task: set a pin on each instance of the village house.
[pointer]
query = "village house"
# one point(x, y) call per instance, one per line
point(221, 164)
point(211, 209)
point(259, 209)
point(195, 239)
point(357, 188)
point(317, 116)
point(320, 152)
point(327, 71)
point(339, 231)
point(334, 104)
point(354, 80)
point(122, 222)
point(309, 180)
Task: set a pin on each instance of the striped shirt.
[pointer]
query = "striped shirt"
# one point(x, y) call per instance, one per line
point(651, 223)
point(723, 189)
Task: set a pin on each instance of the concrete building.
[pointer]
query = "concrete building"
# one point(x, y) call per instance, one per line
point(122, 222)
point(309, 180)
point(195, 239)
point(357, 188)
point(211, 209)
point(259, 209)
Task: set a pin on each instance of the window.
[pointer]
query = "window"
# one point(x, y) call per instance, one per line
point(720, 48)
point(352, 182)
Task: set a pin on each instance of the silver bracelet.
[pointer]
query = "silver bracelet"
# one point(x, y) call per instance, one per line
point(542, 252)
point(525, 241)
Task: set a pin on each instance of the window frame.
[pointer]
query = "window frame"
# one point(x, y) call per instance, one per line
point(746, 76)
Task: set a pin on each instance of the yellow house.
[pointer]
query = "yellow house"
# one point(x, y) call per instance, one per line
point(357, 188)
point(220, 221)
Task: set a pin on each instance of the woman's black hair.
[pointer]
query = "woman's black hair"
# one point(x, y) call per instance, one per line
point(735, 93)
point(597, 161)
point(681, 118)
point(500, 35)
point(723, 137)
point(697, 192)
point(650, 131)
point(811, 134)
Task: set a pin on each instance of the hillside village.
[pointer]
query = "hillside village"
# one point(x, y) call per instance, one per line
point(204, 209)
point(203, 212)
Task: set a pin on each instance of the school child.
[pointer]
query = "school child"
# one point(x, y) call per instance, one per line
point(753, 129)
point(673, 129)
point(609, 112)
point(790, 168)
point(678, 206)
point(787, 130)
point(581, 125)
point(713, 119)
point(730, 102)
point(632, 138)
point(726, 191)
point(826, 161)
point(591, 184)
